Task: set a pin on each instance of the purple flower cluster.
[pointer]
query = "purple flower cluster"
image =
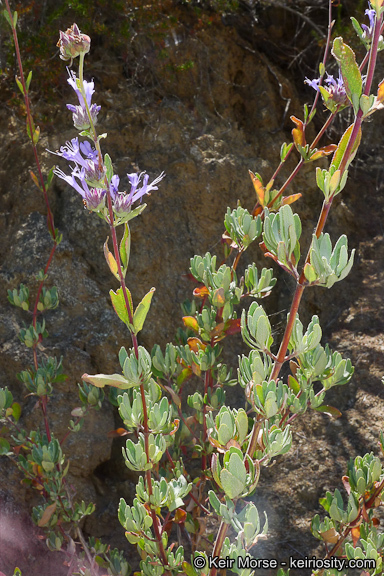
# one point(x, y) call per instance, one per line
point(89, 180)
point(89, 174)
point(79, 113)
point(334, 88)
point(368, 31)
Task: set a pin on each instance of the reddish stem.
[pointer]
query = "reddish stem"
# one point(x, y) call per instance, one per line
point(218, 545)
point(148, 476)
point(51, 227)
point(30, 123)
point(237, 259)
point(287, 334)
point(207, 383)
point(327, 204)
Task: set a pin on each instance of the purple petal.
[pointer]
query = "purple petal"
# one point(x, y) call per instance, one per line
point(114, 186)
point(313, 83)
point(70, 180)
point(88, 151)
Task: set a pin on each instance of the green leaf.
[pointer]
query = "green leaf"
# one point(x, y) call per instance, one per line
point(101, 380)
point(30, 134)
point(293, 384)
point(330, 410)
point(8, 19)
point(36, 135)
point(15, 19)
point(349, 71)
point(16, 411)
point(310, 273)
point(142, 311)
point(285, 149)
point(358, 29)
point(4, 446)
point(339, 154)
point(125, 248)
point(112, 264)
point(47, 465)
point(118, 303)
point(20, 86)
point(86, 133)
point(29, 78)
point(134, 213)
point(189, 570)
point(99, 561)
point(109, 167)
point(232, 486)
point(49, 178)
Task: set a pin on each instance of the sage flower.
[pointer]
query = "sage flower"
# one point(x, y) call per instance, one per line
point(74, 151)
point(368, 31)
point(79, 113)
point(333, 92)
point(93, 198)
point(122, 201)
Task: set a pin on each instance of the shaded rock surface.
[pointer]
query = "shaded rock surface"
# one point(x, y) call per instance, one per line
point(205, 125)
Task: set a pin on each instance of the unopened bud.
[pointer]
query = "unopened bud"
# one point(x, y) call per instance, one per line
point(72, 43)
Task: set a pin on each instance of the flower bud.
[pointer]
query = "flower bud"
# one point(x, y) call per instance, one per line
point(72, 43)
point(94, 199)
point(122, 204)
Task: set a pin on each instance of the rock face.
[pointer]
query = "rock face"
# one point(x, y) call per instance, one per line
point(216, 110)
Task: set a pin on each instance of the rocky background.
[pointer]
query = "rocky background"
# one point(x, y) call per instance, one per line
point(203, 91)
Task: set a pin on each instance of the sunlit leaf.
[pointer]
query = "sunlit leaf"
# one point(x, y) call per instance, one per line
point(355, 533)
point(180, 516)
point(112, 264)
point(189, 570)
point(259, 188)
point(175, 397)
point(339, 154)
point(47, 515)
point(324, 151)
point(118, 303)
point(184, 374)
point(298, 132)
point(118, 433)
point(349, 70)
point(191, 322)
point(201, 292)
point(142, 311)
point(330, 536)
point(291, 199)
point(293, 384)
point(218, 298)
point(101, 380)
point(380, 92)
point(108, 166)
point(28, 82)
point(233, 326)
point(34, 179)
point(329, 410)
point(195, 344)
point(20, 86)
point(125, 248)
